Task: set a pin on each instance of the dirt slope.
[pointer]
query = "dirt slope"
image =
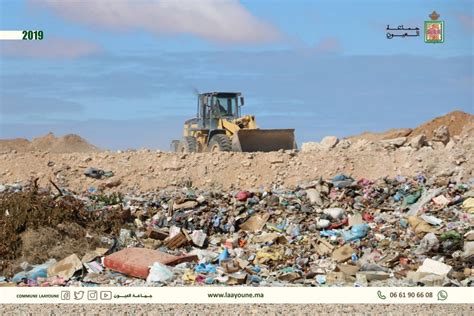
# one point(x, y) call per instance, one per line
point(458, 123)
point(66, 144)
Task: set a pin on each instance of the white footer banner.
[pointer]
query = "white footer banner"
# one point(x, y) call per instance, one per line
point(236, 295)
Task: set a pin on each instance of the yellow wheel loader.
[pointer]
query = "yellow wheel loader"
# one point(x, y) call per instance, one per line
point(219, 126)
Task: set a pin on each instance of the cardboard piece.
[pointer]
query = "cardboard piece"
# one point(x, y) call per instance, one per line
point(348, 269)
point(177, 241)
point(66, 267)
point(343, 253)
point(374, 275)
point(159, 234)
point(419, 226)
point(434, 267)
point(266, 237)
point(185, 205)
point(323, 247)
point(91, 255)
point(255, 223)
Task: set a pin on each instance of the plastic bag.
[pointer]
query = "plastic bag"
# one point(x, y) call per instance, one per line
point(357, 231)
point(159, 273)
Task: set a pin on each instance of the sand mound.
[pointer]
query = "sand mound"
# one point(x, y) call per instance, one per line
point(458, 123)
point(455, 122)
point(391, 133)
point(18, 144)
point(66, 144)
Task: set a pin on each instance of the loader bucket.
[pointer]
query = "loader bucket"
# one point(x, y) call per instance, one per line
point(249, 140)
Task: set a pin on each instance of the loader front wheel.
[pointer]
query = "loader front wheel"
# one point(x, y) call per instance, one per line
point(174, 145)
point(187, 145)
point(220, 142)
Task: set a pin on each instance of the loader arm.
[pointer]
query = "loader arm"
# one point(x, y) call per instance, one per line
point(232, 127)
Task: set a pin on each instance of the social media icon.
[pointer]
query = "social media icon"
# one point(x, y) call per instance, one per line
point(92, 295)
point(442, 295)
point(65, 295)
point(105, 295)
point(78, 295)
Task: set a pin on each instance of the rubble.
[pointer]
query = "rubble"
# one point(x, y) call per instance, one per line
point(441, 134)
point(340, 231)
point(394, 142)
point(310, 146)
point(418, 141)
point(329, 142)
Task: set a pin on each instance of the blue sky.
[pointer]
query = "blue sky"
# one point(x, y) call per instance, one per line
point(123, 73)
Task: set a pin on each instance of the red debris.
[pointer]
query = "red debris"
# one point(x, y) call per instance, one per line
point(367, 217)
point(345, 221)
point(137, 261)
point(242, 196)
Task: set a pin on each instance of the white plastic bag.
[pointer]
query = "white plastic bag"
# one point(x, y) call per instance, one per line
point(159, 273)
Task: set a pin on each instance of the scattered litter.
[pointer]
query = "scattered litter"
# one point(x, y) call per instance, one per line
point(431, 220)
point(340, 232)
point(159, 273)
point(434, 267)
point(97, 173)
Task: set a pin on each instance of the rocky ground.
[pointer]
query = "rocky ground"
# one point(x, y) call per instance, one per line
point(145, 170)
point(441, 147)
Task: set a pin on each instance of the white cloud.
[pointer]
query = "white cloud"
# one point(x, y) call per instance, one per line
point(49, 48)
point(225, 21)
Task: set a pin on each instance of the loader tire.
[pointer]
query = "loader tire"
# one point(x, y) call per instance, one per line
point(174, 145)
point(220, 142)
point(188, 145)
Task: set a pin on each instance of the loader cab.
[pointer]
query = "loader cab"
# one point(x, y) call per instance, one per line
point(215, 105)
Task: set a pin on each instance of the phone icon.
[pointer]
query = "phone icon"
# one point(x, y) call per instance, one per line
point(380, 295)
point(442, 295)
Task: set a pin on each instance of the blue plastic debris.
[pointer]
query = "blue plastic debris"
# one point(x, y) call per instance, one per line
point(216, 221)
point(321, 279)
point(205, 268)
point(209, 280)
point(329, 233)
point(255, 279)
point(225, 255)
point(38, 271)
point(340, 177)
point(357, 231)
point(397, 197)
point(342, 181)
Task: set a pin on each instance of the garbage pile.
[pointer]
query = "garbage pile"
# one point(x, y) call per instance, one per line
point(336, 232)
